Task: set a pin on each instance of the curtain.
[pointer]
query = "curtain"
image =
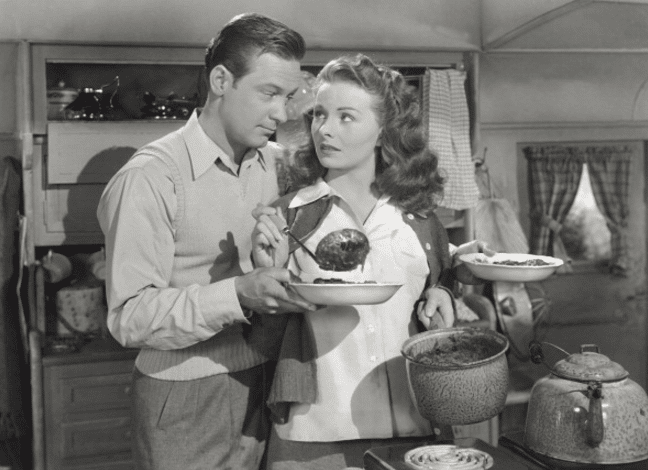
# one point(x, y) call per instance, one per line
point(609, 172)
point(445, 111)
point(554, 176)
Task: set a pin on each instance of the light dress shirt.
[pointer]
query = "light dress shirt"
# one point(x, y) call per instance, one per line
point(362, 384)
point(177, 221)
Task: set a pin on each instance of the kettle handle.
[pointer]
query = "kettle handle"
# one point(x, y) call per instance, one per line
point(595, 430)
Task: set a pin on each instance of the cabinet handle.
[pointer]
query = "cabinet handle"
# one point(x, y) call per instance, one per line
point(127, 434)
point(127, 390)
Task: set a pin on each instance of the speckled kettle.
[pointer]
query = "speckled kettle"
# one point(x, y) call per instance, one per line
point(587, 410)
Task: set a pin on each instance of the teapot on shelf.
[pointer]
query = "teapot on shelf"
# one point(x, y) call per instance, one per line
point(587, 410)
point(171, 107)
point(93, 104)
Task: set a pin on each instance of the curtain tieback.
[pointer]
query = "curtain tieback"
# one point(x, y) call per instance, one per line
point(551, 223)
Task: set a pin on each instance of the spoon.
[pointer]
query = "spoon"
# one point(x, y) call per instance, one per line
point(336, 251)
point(287, 231)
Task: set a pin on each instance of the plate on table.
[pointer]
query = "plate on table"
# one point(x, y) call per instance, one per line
point(346, 293)
point(511, 267)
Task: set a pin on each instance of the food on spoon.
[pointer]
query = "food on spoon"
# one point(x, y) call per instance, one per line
point(342, 250)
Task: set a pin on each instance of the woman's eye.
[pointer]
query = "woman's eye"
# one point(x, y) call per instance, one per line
point(346, 117)
point(318, 114)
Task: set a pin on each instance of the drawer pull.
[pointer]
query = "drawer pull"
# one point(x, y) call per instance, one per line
point(127, 434)
point(127, 390)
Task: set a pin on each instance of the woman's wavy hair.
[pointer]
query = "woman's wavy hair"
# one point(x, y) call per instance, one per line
point(406, 169)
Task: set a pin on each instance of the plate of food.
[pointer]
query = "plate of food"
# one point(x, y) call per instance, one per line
point(340, 292)
point(511, 267)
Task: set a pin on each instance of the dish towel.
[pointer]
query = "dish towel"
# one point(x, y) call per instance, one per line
point(446, 110)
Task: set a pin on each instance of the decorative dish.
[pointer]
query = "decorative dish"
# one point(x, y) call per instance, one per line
point(346, 293)
point(511, 267)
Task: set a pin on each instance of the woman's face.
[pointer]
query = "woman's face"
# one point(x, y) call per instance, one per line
point(345, 128)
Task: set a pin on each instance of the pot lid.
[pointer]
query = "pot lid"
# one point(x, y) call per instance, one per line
point(589, 365)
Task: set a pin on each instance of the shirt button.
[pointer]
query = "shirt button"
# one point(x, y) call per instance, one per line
point(371, 328)
point(428, 246)
point(373, 358)
point(410, 216)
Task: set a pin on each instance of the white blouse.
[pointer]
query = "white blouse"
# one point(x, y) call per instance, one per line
point(363, 390)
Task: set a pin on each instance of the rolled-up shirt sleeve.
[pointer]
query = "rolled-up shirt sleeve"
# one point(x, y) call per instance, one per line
point(136, 213)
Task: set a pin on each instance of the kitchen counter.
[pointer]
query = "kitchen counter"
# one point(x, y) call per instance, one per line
point(97, 350)
point(392, 457)
point(513, 443)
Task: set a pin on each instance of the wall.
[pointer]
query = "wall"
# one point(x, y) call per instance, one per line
point(572, 97)
point(374, 24)
point(526, 97)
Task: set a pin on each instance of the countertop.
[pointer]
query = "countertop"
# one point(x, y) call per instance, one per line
point(392, 457)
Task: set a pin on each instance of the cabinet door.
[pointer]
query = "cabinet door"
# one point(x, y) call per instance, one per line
point(87, 415)
point(71, 170)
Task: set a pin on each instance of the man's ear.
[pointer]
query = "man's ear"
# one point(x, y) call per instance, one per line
point(219, 79)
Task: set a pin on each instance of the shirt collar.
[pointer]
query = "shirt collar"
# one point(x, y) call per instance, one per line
point(320, 189)
point(204, 152)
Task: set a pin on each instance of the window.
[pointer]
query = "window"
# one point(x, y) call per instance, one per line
point(585, 233)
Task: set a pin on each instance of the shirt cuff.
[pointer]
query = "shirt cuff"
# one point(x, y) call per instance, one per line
point(220, 306)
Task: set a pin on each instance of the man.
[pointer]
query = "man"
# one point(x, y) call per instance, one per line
point(180, 283)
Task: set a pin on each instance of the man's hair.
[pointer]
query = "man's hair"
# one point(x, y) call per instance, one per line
point(247, 36)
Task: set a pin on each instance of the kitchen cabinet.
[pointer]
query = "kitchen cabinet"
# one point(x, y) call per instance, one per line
point(86, 411)
point(80, 399)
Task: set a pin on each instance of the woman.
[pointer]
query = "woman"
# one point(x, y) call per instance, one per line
point(366, 167)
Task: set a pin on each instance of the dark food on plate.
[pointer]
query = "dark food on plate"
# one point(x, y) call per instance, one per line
point(342, 250)
point(321, 280)
point(459, 349)
point(510, 262)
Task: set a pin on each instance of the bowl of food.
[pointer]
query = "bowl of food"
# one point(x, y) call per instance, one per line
point(511, 267)
point(457, 375)
point(340, 292)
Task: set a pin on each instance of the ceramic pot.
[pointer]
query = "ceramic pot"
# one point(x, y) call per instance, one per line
point(588, 411)
point(450, 389)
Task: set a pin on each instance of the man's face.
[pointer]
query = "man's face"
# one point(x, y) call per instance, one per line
point(255, 105)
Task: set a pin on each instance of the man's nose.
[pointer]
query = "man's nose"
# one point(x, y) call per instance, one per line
point(279, 113)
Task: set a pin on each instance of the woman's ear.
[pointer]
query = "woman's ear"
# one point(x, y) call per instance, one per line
point(219, 79)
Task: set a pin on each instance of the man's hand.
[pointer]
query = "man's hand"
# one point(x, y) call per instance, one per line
point(264, 291)
point(438, 301)
point(269, 244)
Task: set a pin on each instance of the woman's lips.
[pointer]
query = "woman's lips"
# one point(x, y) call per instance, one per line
point(328, 148)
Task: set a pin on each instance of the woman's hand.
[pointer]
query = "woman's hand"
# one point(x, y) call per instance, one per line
point(269, 244)
point(461, 272)
point(438, 302)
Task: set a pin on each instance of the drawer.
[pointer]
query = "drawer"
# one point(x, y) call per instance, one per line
point(108, 436)
point(95, 393)
point(88, 388)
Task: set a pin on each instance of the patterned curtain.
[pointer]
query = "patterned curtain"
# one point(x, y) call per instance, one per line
point(609, 171)
point(554, 176)
point(445, 111)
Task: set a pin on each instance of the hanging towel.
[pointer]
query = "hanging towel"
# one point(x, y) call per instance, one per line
point(448, 123)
